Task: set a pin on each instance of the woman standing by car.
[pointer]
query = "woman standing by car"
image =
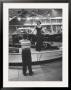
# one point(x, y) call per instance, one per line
point(39, 41)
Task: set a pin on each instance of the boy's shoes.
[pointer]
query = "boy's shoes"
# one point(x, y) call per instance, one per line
point(24, 74)
point(31, 73)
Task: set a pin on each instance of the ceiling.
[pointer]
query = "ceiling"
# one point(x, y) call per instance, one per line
point(34, 12)
point(24, 13)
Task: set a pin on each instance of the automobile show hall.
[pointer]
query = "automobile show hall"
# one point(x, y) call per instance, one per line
point(46, 63)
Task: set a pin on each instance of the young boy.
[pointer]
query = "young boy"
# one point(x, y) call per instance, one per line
point(26, 56)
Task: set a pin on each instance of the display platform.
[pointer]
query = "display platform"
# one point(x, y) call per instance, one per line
point(36, 55)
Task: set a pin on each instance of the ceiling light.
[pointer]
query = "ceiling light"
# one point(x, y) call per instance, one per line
point(19, 19)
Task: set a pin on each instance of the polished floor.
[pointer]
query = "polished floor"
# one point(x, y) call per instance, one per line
point(51, 71)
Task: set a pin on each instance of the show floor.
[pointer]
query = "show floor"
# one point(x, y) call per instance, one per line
point(45, 72)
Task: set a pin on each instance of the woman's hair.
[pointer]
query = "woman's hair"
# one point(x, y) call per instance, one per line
point(38, 22)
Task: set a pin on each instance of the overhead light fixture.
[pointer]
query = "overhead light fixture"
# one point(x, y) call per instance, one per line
point(19, 19)
point(37, 18)
point(54, 12)
point(28, 18)
point(48, 15)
